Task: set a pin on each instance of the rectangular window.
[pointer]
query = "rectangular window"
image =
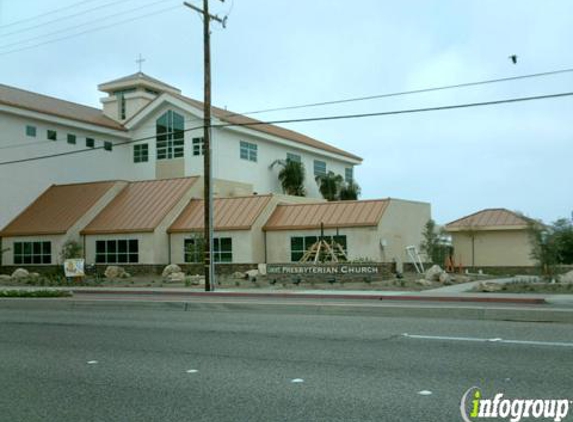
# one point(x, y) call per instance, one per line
point(107, 146)
point(32, 253)
point(141, 153)
point(319, 168)
point(349, 174)
point(170, 139)
point(121, 251)
point(90, 142)
point(222, 249)
point(293, 157)
point(31, 131)
point(52, 135)
point(198, 146)
point(299, 245)
point(71, 139)
point(248, 151)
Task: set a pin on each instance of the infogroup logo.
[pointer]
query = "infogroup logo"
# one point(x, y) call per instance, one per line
point(474, 407)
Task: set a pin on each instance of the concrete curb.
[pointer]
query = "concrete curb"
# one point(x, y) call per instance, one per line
point(281, 295)
point(362, 309)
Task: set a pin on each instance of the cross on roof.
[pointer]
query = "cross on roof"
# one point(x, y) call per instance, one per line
point(140, 61)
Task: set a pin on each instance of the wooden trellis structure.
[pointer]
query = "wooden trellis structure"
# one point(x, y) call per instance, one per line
point(323, 251)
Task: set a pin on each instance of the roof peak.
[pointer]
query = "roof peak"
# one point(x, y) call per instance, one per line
point(135, 80)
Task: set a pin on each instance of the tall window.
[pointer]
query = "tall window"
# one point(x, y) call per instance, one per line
point(349, 174)
point(319, 168)
point(300, 244)
point(32, 253)
point(248, 151)
point(198, 146)
point(31, 131)
point(117, 251)
point(141, 153)
point(170, 131)
point(71, 138)
point(293, 157)
point(222, 249)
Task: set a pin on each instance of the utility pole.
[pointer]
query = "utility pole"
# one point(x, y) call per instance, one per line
point(209, 264)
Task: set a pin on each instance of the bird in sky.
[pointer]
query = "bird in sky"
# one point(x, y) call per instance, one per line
point(513, 58)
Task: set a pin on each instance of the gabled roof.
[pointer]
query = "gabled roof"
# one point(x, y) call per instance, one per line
point(57, 209)
point(253, 124)
point(488, 219)
point(137, 79)
point(140, 207)
point(331, 214)
point(31, 101)
point(239, 213)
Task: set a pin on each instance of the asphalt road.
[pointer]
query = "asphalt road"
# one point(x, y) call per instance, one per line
point(101, 363)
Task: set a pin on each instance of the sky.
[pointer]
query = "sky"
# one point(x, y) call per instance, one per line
point(290, 52)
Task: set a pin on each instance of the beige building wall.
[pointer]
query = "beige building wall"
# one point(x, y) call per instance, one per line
point(401, 225)
point(495, 248)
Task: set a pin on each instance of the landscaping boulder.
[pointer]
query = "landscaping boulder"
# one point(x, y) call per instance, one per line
point(239, 275)
point(20, 273)
point(170, 269)
point(114, 271)
point(178, 277)
point(196, 280)
point(445, 278)
point(488, 287)
point(462, 279)
point(125, 275)
point(262, 269)
point(566, 278)
point(433, 274)
point(252, 274)
point(424, 282)
point(4, 278)
point(34, 275)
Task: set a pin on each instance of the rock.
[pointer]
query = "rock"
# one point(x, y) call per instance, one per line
point(196, 280)
point(4, 278)
point(125, 275)
point(461, 279)
point(239, 275)
point(566, 278)
point(424, 282)
point(252, 274)
point(35, 275)
point(20, 273)
point(484, 286)
point(170, 269)
point(433, 274)
point(262, 269)
point(114, 271)
point(177, 277)
point(445, 279)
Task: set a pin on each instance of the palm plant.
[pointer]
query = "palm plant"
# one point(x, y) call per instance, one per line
point(291, 177)
point(329, 185)
point(349, 191)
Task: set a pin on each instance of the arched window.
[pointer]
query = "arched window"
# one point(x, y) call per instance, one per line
point(170, 131)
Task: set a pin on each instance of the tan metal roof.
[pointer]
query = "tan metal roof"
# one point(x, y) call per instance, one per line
point(140, 207)
point(489, 218)
point(57, 209)
point(238, 213)
point(331, 214)
point(27, 100)
point(136, 79)
point(257, 125)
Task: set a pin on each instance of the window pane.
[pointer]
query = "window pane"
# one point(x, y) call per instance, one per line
point(52, 135)
point(36, 259)
point(111, 246)
point(90, 142)
point(47, 259)
point(17, 248)
point(293, 157)
point(226, 244)
point(27, 248)
point(100, 246)
point(37, 248)
point(100, 258)
point(133, 246)
point(71, 138)
point(296, 244)
point(133, 258)
point(17, 259)
point(348, 174)
point(319, 167)
point(31, 131)
point(122, 258)
point(47, 247)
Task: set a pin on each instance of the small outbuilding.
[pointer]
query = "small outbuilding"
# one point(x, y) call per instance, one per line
point(36, 236)
point(493, 237)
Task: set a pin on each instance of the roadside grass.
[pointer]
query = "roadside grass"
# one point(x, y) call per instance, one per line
point(34, 293)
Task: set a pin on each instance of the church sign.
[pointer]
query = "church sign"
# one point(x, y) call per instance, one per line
point(340, 269)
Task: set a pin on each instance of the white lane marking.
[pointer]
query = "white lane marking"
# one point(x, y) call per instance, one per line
point(92, 362)
point(486, 340)
point(192, 371)
point(425, 393)
point(297, 381)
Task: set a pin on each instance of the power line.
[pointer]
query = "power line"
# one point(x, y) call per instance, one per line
point(103, 18)
point(102, 6)
point(410, 92)
point(52, 12)
point(314, 119)
point(90, 30)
